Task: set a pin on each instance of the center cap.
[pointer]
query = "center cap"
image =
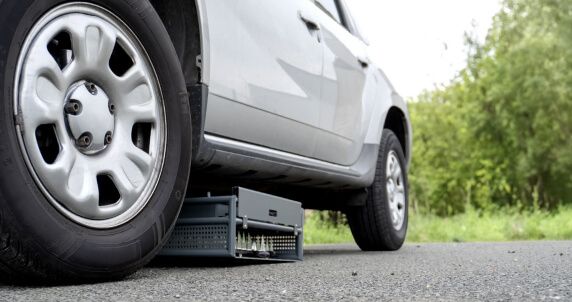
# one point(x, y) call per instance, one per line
point(90, 117)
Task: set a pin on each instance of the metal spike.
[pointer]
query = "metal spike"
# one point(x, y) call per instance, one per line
point(253, 245)
point(262, 244)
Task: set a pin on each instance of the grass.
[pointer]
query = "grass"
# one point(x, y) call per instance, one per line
point(504, 225)
point(318, 232)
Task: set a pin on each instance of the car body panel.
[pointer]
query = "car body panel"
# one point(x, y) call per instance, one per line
point(265, 79)
point(345, 98)
point(290, 129)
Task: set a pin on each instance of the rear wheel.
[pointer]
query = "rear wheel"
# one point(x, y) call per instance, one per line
point(381, 223)
point(95, 142)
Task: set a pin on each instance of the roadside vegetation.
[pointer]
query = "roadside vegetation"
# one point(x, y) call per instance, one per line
point(471, 226)
point(320, 228)
point(492, 156)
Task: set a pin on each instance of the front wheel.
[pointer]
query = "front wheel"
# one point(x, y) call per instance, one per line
point(381, 223)
point(95, 139)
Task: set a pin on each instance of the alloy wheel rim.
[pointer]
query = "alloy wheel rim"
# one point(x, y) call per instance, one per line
point(395, 187)
point(90, 115)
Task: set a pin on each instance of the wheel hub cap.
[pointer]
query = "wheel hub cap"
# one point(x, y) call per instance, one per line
point(90, 117)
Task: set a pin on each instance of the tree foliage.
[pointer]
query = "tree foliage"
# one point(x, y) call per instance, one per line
point(500, 132)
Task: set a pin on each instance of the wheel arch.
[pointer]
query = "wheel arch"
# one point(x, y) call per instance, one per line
point(185, 21)
point(182, 20)
point(397, 121)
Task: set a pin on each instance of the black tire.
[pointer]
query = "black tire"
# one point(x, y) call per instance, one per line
point(371, 223)
point(37, 242)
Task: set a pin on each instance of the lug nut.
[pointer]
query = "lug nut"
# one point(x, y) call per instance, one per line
point(108, 138)
point(73, 107)
point(84, 140)
point(91, 88)
point(111, 107)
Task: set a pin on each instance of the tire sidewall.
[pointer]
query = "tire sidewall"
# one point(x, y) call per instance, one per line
point(28, 215)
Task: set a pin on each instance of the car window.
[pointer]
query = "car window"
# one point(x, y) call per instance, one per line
point(331, 8)
point(352, 23)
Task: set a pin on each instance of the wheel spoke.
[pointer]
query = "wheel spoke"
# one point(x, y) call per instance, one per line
point(133, 170)
point(41, 113)
point(93, 43)
point(389, 169)
point(400, 201)
point(78, 177)
point(48, 68)
point(48, 92)
point(44, 98)
point(126, 182)
point(82, 183)
point(140, 159)
point(137, 103)
point(143, 112)
point(396, 173)
point(400, 188)
point(101, 48)
point(59, 172)
point(395, 217)
point(132, 79)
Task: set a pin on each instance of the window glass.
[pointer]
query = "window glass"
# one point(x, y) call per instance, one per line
point(330, 7)
point(354, 23)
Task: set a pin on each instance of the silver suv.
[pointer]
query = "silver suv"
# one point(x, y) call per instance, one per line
point(114, 110)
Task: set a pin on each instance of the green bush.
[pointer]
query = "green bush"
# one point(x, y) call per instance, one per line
point(499, 134)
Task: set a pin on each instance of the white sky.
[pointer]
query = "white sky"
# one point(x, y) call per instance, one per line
point(420, 43)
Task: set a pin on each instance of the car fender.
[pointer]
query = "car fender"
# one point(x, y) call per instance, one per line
point(386, 99)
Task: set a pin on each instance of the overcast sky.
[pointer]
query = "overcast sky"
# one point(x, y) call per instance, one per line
point(420, 42)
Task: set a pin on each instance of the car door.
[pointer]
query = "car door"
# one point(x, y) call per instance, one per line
point(347, 87)
point(266, 63)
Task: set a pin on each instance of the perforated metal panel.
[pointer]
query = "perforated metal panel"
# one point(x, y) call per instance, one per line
point(285, 245)
point(195, 237)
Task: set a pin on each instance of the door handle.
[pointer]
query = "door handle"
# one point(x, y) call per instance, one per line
point(363, 62)
point(310, 23)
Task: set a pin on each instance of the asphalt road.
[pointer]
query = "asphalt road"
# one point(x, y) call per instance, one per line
point(462, 271)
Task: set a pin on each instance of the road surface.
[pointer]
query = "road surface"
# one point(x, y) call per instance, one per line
point(446, 272)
